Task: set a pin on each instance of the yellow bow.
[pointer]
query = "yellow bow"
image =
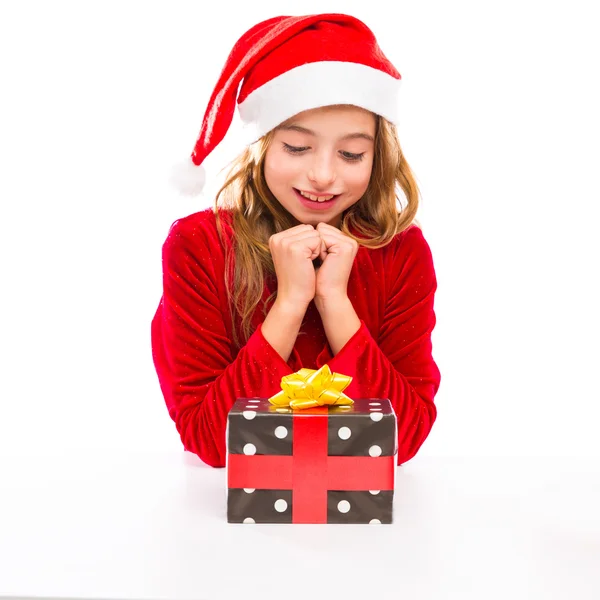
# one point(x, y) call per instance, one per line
point(308, 388)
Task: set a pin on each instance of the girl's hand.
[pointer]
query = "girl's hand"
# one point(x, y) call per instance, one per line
point(337, 253)
point(293, 251)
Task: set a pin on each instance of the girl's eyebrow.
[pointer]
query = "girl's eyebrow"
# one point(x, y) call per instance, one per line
point(348, 136)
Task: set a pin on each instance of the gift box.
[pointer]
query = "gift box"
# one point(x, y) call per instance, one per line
point(310, 454)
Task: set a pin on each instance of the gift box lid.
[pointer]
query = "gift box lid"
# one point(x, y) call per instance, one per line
point(368, 427)
point(360, 407)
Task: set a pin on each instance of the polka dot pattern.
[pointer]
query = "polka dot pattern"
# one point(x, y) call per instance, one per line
point(363, 429)
point(375, 451)
point(344, 433)
point(281, 432)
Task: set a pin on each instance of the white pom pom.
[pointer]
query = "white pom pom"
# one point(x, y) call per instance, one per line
point(188, 178)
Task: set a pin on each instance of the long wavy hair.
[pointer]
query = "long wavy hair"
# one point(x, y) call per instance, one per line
point(256, 215)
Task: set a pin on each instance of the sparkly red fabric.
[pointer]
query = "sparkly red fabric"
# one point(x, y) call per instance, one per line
point(200, 374)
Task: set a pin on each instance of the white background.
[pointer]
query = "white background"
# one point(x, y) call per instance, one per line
point(499, 122)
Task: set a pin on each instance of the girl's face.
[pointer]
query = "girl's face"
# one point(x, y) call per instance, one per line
point(326, 150)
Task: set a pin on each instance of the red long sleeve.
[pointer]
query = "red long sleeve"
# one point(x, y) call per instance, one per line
point(392, 290)
point(199, 377)
point(399, 366)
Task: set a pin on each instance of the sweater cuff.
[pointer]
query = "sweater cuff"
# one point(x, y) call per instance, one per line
point(261, 350)
point(346, 360)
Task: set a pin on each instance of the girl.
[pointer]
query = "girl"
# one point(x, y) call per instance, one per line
point(304, 258)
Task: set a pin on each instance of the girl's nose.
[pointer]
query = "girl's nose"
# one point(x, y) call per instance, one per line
point(322, 172)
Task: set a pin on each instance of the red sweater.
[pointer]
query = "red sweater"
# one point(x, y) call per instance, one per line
point(392, 290)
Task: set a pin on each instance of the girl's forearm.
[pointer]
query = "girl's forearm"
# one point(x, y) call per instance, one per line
point(340, 321)
point(281, 326)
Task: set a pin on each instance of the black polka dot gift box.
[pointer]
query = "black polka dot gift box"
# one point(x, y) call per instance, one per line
point(310, 454)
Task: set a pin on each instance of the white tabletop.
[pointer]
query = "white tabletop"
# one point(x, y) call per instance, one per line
point(110, 525)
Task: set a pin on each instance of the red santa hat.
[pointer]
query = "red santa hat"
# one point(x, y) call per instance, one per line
point(288, 65)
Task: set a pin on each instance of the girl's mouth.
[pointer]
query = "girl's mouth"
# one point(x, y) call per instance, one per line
point(314, 204)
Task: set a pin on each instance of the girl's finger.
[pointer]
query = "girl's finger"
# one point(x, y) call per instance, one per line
point(334, 234)
point(332, 240)
point(323, 252)
point(330, 231)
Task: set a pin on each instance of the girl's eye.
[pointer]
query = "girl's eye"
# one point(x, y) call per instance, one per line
point(294, 149)
point(347, 155)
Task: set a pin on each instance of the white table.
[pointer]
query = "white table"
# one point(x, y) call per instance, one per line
point(147, 526)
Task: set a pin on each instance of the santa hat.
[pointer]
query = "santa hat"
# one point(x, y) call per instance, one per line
point(288, 65)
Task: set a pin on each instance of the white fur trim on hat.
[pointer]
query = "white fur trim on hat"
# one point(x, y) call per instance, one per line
point(317, 84)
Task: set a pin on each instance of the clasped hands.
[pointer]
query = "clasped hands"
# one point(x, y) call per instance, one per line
point(337, 256)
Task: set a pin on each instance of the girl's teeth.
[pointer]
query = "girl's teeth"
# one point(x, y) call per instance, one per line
point(314, 198)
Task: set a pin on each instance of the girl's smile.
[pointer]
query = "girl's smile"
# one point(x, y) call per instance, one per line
point(316, 204)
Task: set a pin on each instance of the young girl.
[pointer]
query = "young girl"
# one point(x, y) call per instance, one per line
point(305, 258)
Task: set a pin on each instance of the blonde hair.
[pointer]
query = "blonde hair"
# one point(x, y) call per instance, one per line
point(257, 214)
